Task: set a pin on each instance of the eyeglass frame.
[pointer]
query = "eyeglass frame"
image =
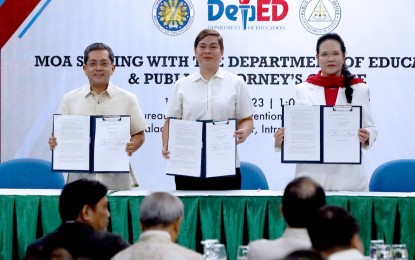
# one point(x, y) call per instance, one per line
point(103, 63)
point(328, 55)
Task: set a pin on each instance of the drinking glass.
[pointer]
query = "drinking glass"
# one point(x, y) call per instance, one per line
point(399, 252)
point(207, 247)
point(384, 252)
point(242, 253)
point(218, 252)
point(374, 247)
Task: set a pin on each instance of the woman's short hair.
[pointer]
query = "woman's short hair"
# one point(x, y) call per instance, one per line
point(207, 32)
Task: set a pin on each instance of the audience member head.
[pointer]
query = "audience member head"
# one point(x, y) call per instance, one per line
point(305, 254)
point(302, 198)
point(98, 46)
point(62, 254)
point(161, 211)
point(85, 201)
point(334, 229)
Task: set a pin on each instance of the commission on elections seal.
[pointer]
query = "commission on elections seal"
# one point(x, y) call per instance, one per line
point(173, 17)
point(320, 16)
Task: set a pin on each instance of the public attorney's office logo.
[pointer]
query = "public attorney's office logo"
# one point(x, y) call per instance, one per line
point(320, 16)
point(173, 17)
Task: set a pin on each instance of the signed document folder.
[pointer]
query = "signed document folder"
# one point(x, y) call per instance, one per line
point(91, 144)
point(321, 134)
point(201, 148)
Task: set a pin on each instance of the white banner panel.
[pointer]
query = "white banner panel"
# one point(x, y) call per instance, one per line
point(271, 43)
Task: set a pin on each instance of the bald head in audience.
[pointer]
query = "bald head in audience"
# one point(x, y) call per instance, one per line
point(302, 198)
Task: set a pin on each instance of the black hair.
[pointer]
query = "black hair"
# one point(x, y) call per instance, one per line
point(332, 227)
point(98, 46)
point(348, 77)
point(77, 194)
point(302, 198)
point(305, 254)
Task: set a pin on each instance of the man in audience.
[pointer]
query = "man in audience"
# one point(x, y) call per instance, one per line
point(335, 233)
point(302, 198)
point(160, 217)
point(83, 207)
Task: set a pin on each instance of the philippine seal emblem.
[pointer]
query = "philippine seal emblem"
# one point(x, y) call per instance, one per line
point(320, 16)
point(173, 17)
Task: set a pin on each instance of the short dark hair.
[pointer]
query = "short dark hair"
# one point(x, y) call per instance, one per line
point(206, 32)
point(332, 227)
point(160, 208)
point(305, 254)
point(302, 198)
point(98, 46)
point(77, 194)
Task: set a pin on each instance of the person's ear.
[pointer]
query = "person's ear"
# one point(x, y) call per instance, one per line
point(357, 243)
point(175, 228)
point(177, 225)
point(281, 212)
point(86, 214)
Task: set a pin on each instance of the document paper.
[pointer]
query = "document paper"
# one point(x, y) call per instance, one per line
point(321, 134)
point(197, 154)
point(91, 143)
point(111, 137)
point(185, 146)
point(301, 133)
point(72, 136)
point(341, 141)
point(220, 148)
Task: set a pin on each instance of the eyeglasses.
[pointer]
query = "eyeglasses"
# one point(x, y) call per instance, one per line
point(326, 55)
point(94, 63)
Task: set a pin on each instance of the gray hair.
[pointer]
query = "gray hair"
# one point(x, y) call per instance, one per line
point(160, 208)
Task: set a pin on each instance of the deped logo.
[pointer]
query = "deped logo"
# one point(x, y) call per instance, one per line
point(247, 10)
